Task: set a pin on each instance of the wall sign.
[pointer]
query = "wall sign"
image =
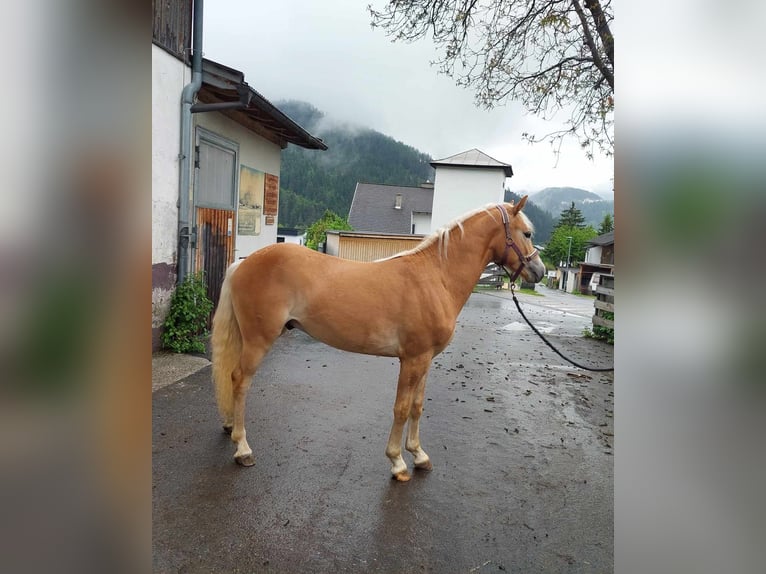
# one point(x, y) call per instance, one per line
point(271, 195)
point(251, 185)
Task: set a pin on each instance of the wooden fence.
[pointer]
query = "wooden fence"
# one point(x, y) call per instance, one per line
point(492, 275)
point(604, 301)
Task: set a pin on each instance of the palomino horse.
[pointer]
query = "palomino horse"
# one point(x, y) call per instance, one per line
point(348, 304)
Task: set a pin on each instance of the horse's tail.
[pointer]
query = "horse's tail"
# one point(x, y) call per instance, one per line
point(227, 346)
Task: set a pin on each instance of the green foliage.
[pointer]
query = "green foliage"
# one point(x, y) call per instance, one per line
point(317, 231)
point(313, 181)
point(571, 217)
point(558, 245)
point(185, 327)
point(526, 291)
point(602, 333)
point(296, 210)
point(607, 224)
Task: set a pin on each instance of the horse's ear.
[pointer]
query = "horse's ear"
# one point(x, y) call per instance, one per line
point(520, 204)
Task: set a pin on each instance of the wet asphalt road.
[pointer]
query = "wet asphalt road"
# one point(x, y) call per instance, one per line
point(521, 446)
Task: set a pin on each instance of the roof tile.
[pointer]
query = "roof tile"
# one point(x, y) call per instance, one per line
point(372, 208)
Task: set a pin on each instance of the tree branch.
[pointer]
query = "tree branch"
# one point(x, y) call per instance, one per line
point(602, 27)
point(532, 52)
point(607, 73)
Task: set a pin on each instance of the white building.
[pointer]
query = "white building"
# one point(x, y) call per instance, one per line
point(464, 182)
point(216, 156)
point(291, 235)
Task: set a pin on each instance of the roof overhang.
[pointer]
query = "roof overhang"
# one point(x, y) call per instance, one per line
point(602, 240)
point(473, 159)
point(507, 170)
point(224, 85)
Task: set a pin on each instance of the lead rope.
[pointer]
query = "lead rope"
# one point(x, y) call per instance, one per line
point(547, 342)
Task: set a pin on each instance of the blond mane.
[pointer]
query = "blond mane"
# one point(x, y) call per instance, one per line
point(441, 236)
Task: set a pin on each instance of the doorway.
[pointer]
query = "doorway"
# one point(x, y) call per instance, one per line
point(215, 194)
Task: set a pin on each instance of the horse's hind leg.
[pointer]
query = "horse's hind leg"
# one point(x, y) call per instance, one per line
point(411, 373)
point(421, 459)
point(252, 355)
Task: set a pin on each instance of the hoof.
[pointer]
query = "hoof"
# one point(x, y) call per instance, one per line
point(227, 429)
point(245, 460)
point(424, 465)
point(403, 476)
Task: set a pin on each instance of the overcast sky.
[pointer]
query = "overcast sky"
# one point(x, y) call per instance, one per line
point(326, 53)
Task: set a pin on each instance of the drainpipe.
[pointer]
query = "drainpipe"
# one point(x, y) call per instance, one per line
point(185, 233)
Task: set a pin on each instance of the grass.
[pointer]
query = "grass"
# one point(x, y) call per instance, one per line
point(479, 288)
point(587, 296)
point(529, 292)
point(485, 288)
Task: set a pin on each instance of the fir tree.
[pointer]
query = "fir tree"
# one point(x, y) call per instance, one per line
point(571, 217)
point(607, 224)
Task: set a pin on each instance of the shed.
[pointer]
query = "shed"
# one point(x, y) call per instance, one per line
point(600, 250)
point(599, 260)
point(360, 246)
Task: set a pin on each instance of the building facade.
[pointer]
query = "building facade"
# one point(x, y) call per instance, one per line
point(216, 156)
point(464, 182)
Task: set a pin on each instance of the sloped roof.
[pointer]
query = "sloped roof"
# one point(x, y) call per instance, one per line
point(473, 158)
point(223, 84)
point(605, 239)
point(372, 209)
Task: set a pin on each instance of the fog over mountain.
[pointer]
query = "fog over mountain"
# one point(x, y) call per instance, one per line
point(554, 200)
point(313, 181)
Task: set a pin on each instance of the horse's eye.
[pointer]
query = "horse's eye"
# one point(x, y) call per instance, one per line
point(528, 234)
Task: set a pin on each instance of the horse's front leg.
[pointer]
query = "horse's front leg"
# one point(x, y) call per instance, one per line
point(411, 372)
point(412, 444)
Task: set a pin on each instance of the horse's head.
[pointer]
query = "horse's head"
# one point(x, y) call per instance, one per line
point(513, 248)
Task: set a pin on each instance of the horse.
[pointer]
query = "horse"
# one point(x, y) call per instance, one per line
point(348, 305)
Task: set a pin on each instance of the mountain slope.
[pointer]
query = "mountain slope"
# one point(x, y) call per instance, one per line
point(312, 181)
point(554, 200)
point(541, 219)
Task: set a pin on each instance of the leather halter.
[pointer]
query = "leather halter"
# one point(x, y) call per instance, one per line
point(510, 244)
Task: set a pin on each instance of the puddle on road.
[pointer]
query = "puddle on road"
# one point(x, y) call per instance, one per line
point(542, 326)
point(515, 326)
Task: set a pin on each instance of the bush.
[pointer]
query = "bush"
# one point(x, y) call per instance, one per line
point(317, 231)
point(602, 333)
point(185, 327)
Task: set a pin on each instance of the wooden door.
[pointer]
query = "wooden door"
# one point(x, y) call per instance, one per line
point(215, 247)
point(214, 200)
